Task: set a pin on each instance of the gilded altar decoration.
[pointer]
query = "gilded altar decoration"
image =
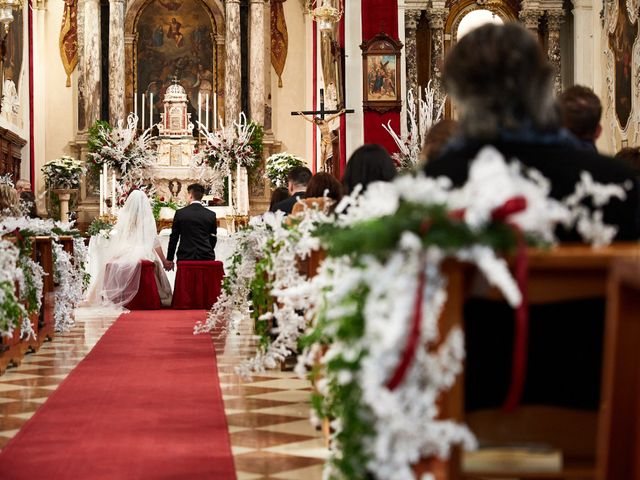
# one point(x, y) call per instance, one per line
point(279, 38)
point(69, 38)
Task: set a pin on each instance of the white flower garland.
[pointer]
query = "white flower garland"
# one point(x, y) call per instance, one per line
point(10, 274)
point(388, 287)
point(69, 275)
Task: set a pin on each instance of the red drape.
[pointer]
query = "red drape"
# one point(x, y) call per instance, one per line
point(380, 16)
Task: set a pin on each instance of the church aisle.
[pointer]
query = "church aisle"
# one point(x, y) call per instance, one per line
point(145, 403)
point(25, 388)
point(268, 417)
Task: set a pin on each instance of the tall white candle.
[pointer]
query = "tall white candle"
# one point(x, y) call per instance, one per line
point(206, 110)
point(101, 194)
point(215, 111)
point(113, 193)
point(144, 96)
point(135, 105)
point(151, 110)
point(238, 197)
point(104, 186)
point(229, 194)
point(199, 108)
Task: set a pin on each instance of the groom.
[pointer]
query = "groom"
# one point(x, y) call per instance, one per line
point(195, 226)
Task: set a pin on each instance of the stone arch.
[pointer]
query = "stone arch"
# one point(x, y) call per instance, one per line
point(506, 10)
point(133, 12)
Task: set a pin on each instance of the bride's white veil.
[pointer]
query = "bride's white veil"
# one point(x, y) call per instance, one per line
point(132, 239)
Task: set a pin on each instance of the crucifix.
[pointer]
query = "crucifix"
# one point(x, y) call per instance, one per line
point(323, 123)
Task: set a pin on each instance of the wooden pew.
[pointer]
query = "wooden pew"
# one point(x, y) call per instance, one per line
point(618, 448)
point(12, 350)
point(44, 256)
point(568, 272)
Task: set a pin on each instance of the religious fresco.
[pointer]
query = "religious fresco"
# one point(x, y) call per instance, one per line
point(175, 40)
point(621, 41)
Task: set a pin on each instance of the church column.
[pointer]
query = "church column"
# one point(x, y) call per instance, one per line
point(531, 19)
point(554, 20)
point(583, 51)
point(116, 62)
point(257, 62)
point(92, 61)
point(232, 77)
point(411, 18)
point(437, 18)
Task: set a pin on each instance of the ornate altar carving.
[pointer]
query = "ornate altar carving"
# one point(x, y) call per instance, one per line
point(10, 153)
point(176, 120)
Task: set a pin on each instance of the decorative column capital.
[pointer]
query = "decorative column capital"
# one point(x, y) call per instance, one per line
point(555, 19)
point(437, 17)
point(411, 19)
point(530, 18)
point(117, 1)
point(40, 4)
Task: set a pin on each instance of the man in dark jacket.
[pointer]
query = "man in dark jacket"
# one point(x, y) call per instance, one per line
point(501, 85)
point(195, 227)
point(298, 179)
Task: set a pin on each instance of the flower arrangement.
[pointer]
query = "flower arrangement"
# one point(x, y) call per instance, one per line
point(122, 150)
point(225, 150)
point(11, 309)
point(63, 173)
point(279, 165)
point(372, 344)
point(72, 279)
point(101, 226)
point(422, 115)
point(158, 203)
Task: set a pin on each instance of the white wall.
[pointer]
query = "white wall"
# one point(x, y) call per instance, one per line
point(353, 74)
point(296, 93)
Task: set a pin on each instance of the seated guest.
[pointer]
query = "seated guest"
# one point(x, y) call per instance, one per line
point(27, 198)
point(630, 156)
point(9, 203)
point(581, 110)
point(277, 196)
point(501, 84)
point(193, 231)
point(369, 163)
point(298, 179)
point(437, 137)
point(324, 191)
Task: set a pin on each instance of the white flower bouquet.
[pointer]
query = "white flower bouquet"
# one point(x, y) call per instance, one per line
point(63, 173)
point(279, 165)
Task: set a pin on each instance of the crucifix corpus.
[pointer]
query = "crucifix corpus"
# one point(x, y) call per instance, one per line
point(323, 123)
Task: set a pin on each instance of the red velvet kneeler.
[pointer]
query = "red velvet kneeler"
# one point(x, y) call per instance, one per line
point(198, 284)
point(147, 297)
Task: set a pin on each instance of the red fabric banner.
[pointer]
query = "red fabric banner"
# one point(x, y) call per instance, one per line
point(380, 16)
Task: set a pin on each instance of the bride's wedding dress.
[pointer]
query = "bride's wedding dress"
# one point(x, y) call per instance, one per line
point(133, 239)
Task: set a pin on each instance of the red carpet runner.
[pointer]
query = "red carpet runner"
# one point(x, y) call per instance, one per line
point(144, 404)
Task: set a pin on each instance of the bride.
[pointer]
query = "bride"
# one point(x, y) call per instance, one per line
point(132, 239)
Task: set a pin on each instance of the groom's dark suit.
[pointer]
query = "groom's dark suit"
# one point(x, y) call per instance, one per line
point(195, 227)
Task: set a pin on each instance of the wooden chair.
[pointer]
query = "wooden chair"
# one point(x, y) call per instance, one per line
point(564, 273)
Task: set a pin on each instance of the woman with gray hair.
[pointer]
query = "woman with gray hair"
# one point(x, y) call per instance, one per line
point(501, 85)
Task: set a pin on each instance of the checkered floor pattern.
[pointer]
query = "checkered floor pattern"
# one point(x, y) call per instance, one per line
point(271, 436)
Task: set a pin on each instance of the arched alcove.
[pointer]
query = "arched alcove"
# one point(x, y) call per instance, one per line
point(475, 19)
point(175, 38)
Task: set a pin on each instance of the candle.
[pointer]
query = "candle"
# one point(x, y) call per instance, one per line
point(135, 106)
point(151, 110)
point(101, 194)
point(215, 111)
point(142, 109)
point(113, 193)
point(206, 111)
point(104, 186)
point(199, 109)
point(230, 199)
point(238, 197)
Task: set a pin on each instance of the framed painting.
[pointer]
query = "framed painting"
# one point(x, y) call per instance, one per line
point(381, 73)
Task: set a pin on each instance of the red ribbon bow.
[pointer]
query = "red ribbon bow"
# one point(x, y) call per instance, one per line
point(519, 368)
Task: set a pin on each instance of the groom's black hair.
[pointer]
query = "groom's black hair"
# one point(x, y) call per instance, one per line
point(196, 190)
